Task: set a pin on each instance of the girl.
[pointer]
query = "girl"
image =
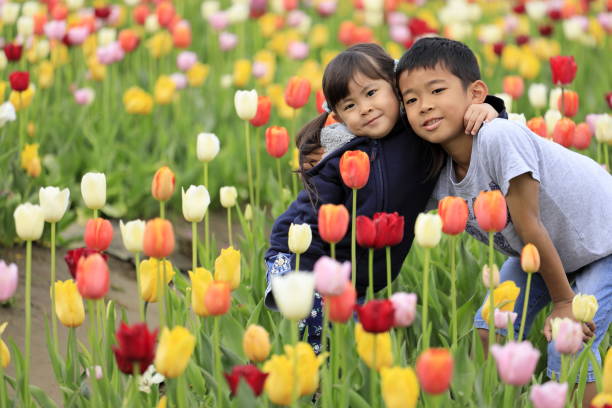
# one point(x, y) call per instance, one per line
point(358, 88)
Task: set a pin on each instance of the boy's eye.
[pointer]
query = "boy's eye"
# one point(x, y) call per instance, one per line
point(437, 91)
point(371, 92)
point(409, 101)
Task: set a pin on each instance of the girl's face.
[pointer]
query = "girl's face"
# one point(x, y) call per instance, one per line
point(371, 108)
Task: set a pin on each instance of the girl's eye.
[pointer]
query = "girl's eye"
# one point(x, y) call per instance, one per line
point(409, 101)
point(371, 92)
point(437, 91)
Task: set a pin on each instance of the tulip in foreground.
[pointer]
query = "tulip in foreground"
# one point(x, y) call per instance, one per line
point(227, 267)
point(93, 278)
point(98, 234)
point(148, 271)
point(69, 306)
point(434, 367)
point(54, 202)
point(158, 241)
point(333, 222)
point(428, 230)
point(308, 364)
point(29, 221)
point(567, 335)
point(563, 69)
point(404, 306)
point(341, 307)
point(294, 294)
point(331, 276)
point(250, 374)
point(355, 168)
point(376, 316)
point(454, 214)
point(515, 361)
point(5, 355)
point(256, 343)
point(174, 351)
point(132, 234)
point(400, 387)
point(135, 346)
point(300, 237)
point(93, 190)
point(548, 395)
point(490, 210)
point(373, 345)
point(279, 384)
point(502, 318)
point(584, 307)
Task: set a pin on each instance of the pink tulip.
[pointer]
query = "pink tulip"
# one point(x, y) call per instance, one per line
point(185, 60)
point(503, 317)
point(515, 361)
point(297, 50)
point(77, 35)
point(219, 21)
point(179, 79)
point(55, 29)
point(92, 276)
point(326, 8)
point(84, 96)
point(259, 69)
point(567, 335)
point(227, 41)
point(110, 53)
point(115, 14)
point(548, 395)
point(591, 120)
point(404, 305)
point(396, 18)
point(331, 276)
point(8, 280)
point(295, 18)
point(605, 20)
point(399, 33)
point(510, 23)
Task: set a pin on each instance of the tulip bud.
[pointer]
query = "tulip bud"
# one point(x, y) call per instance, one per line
point(162, 186)
point(248, 212)
point(454, 214)
point(277, 141)
point(376, 316)
point(300, 237)
point(434, 367)
point(207, 147)
point(331, 276)
point(93, 189)
point(355, 168)
point(567, 335)
point(132, 234)
point(550, 394)
point(29, 221)
point(5, 355)
point(503, 317)
point(515, 361)
point(218, 298)
point(486, 277)
point(228, 196)
point(370, 345)
point(333, 222)
point(9, 277)
point(174, 351)
point(150, 270)
point(227, 267)
point(294, 293)
point(342, 306)
point(563, 69)
point(264, 105)
point(537, 95)
point(530, 258)
point(490, 210)
point(584, 307)
point(250, 374)
point(158, 241)
point(98, 234)
point(195, 203)
point(256, 343)
point(366, 232)
point(428, 230)
point(399, 387)
point(245, 103)
point(54, 202)
point(69, 306)
point(93, 280)
point(135, 346)
point(25, 26)
point(297, 92)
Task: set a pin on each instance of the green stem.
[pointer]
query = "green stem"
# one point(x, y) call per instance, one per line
point(525, 302)
point(167, 309)
point(332, 250)
point(607, 156)
point(341, 366)
point(194, 246)
point(353, 240)
point(162, 209)
point(249, 164)
point(72, 351)
point(140, 301)
point(95, 213)
point(91, 307)
point(297, 262)
point(508, 396)
point(28, 328)
point(181, 402)
point(217, 359)
point(370, 273)
point(229, 226)
point(564, 368)
point(454, 332)
point(53, 314)
point(279, 176)
point(294, 386)
point(491, 317)
point(388, 255)
point(160, 298)
point(425, 298)
point(257, 166)
point(327, 380)
point(206, 222)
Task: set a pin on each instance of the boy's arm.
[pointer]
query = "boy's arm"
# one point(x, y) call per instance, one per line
point(524, 206)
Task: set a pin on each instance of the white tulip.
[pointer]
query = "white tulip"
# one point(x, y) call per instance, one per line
point(237, 13)
point(507, 101)
point(54, 202)
point(374, 18)
point(208, 8)
point(490, 34)
point(43, 47)
point(603, 129)
point(300, 237)
point(226, 81)
point(245, 103)
point(573, 29)
point(248, 212)
point(537, 95)
point(207, 147)
point(553, 99)
point(3, 61)
point(195, 203)
point(536, 10)
point(25, 26)
point(7, 112)
point(518, 118)
point(294, 293)
point(29, 221)
point(106, 36)
point(131, 3)
point(132, 234)
point(93, 190)
point(151, 23)
point(30, 8)
point(10, 12)
point(428, 230)
point(551, 117)
point(228, 196)
point(74, 4)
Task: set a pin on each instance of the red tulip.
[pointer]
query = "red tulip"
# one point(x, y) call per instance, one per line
point(582, 136)
point(454, 214)
point(568, 103)
point(341, 307)
point(333, 222)
point(92, 276)
point(20, 80)
point(128, 40)
point(355, 168)
point(59, 11)
point(389, 229)
point(319, 100)
point(366, 232)
point(277, 141)
point(514, 86)
point(563, 69)
point(102, 12)
point(140, 13)
point(181, 34)
point(248, 373)
point(162, 186)
point(297, 92)
point(564, 132)
point(609, 99)
point(264, 105)
point(136, 345)
point(13, 51)
point(98, 234)
point(538, 126)
point(72, 258)
point(218, 298)
point(498, 48)
point(490, 210)
point(165, 13)
point(545, 30)
point(376, 316)
point(434, 368)
point(158, 240)
point(522, 39)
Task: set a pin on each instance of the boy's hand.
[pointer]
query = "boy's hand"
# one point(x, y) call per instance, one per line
point(313, 158)
point(476, 115)
point(563, 309)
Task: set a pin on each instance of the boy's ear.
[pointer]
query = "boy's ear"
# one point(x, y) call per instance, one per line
point(478, 91)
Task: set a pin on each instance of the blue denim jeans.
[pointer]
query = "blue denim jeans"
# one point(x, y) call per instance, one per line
point(593, 279)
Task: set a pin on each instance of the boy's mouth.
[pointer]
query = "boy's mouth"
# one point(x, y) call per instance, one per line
point(431, 124)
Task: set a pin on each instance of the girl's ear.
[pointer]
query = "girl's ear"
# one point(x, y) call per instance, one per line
point(478, 91)
point(336, 117)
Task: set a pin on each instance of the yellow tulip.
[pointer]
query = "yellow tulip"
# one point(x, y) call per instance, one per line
point(308, 364)
point(394, 49)
point(90, 45)
point(5, 356)
point(227, 267)
point(2, 90)
point(59, 55)
point(197, 74)
point(602, 400)
point(148, 277)
point(174, 351)
point(529, 65)
point(365, 347)
point(607, 372)
point(268, 24)
point(327, 56)
point(200, 280)
point(96, 70)
point(429, 18)
point(511, 56)
point(256, 343)
point(279, 383)
point(295, 159)
point(281, 39)
point(596, 30)
point(584, 307)
point(160, 44)
point(504, 298)
point(21, 100)
point(164, 90)
point(530, 258)
point(45, 74)
point(311, 70)
point(163, 402)
point(242, 72)
point(544, 48)
point(269, 60)
point(137, 101)
point(69, 306)
point(319, 36)
point(400, 387)
point(30, 161)
point(277, 96)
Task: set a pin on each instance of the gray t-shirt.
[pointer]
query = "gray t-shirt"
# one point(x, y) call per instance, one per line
point(575, 191)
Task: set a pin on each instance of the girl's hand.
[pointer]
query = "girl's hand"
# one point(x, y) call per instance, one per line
point(313, 158)
point(476, 115)
point(564, 309)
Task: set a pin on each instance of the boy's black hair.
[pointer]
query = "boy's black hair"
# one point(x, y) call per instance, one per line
point(430, 52)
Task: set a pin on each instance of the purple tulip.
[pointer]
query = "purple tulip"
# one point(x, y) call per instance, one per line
point(8, 280)
point(219, 20)
point(331, 276)
point(515, 361)
point(84, 96)
point(326, 8)
point(404, 305)
point(548, 395)
point(77, 35)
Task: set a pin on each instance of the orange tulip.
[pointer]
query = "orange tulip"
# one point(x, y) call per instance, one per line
point(262, 116)
point(92, 276)
point(514, 86)
point(333, 222)
point(165, 13)
point(59, 12)
point(490, 210)
point(434, 368)
point(158, 240)
point(297, 92)
point(538, 126)
point(355, 168)
point(218, 299)
point(181, 35)
point(319, 100)
point(40, 19)
point(582, 136)
point(568, 103)
point(277, 141)
point(530, 258)
point(564, 132)
point(341, 307)
point(140, 14)
point(454, 214)
point(162, 186)
point(128, 40)
point(98, 234)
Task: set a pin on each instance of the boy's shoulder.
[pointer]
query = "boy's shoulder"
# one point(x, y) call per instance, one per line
point(502, 132)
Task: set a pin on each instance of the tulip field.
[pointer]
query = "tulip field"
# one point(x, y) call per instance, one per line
point(169, 126)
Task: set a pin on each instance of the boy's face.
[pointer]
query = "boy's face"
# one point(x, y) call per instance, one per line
point(371, 108)
point(436, 101)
